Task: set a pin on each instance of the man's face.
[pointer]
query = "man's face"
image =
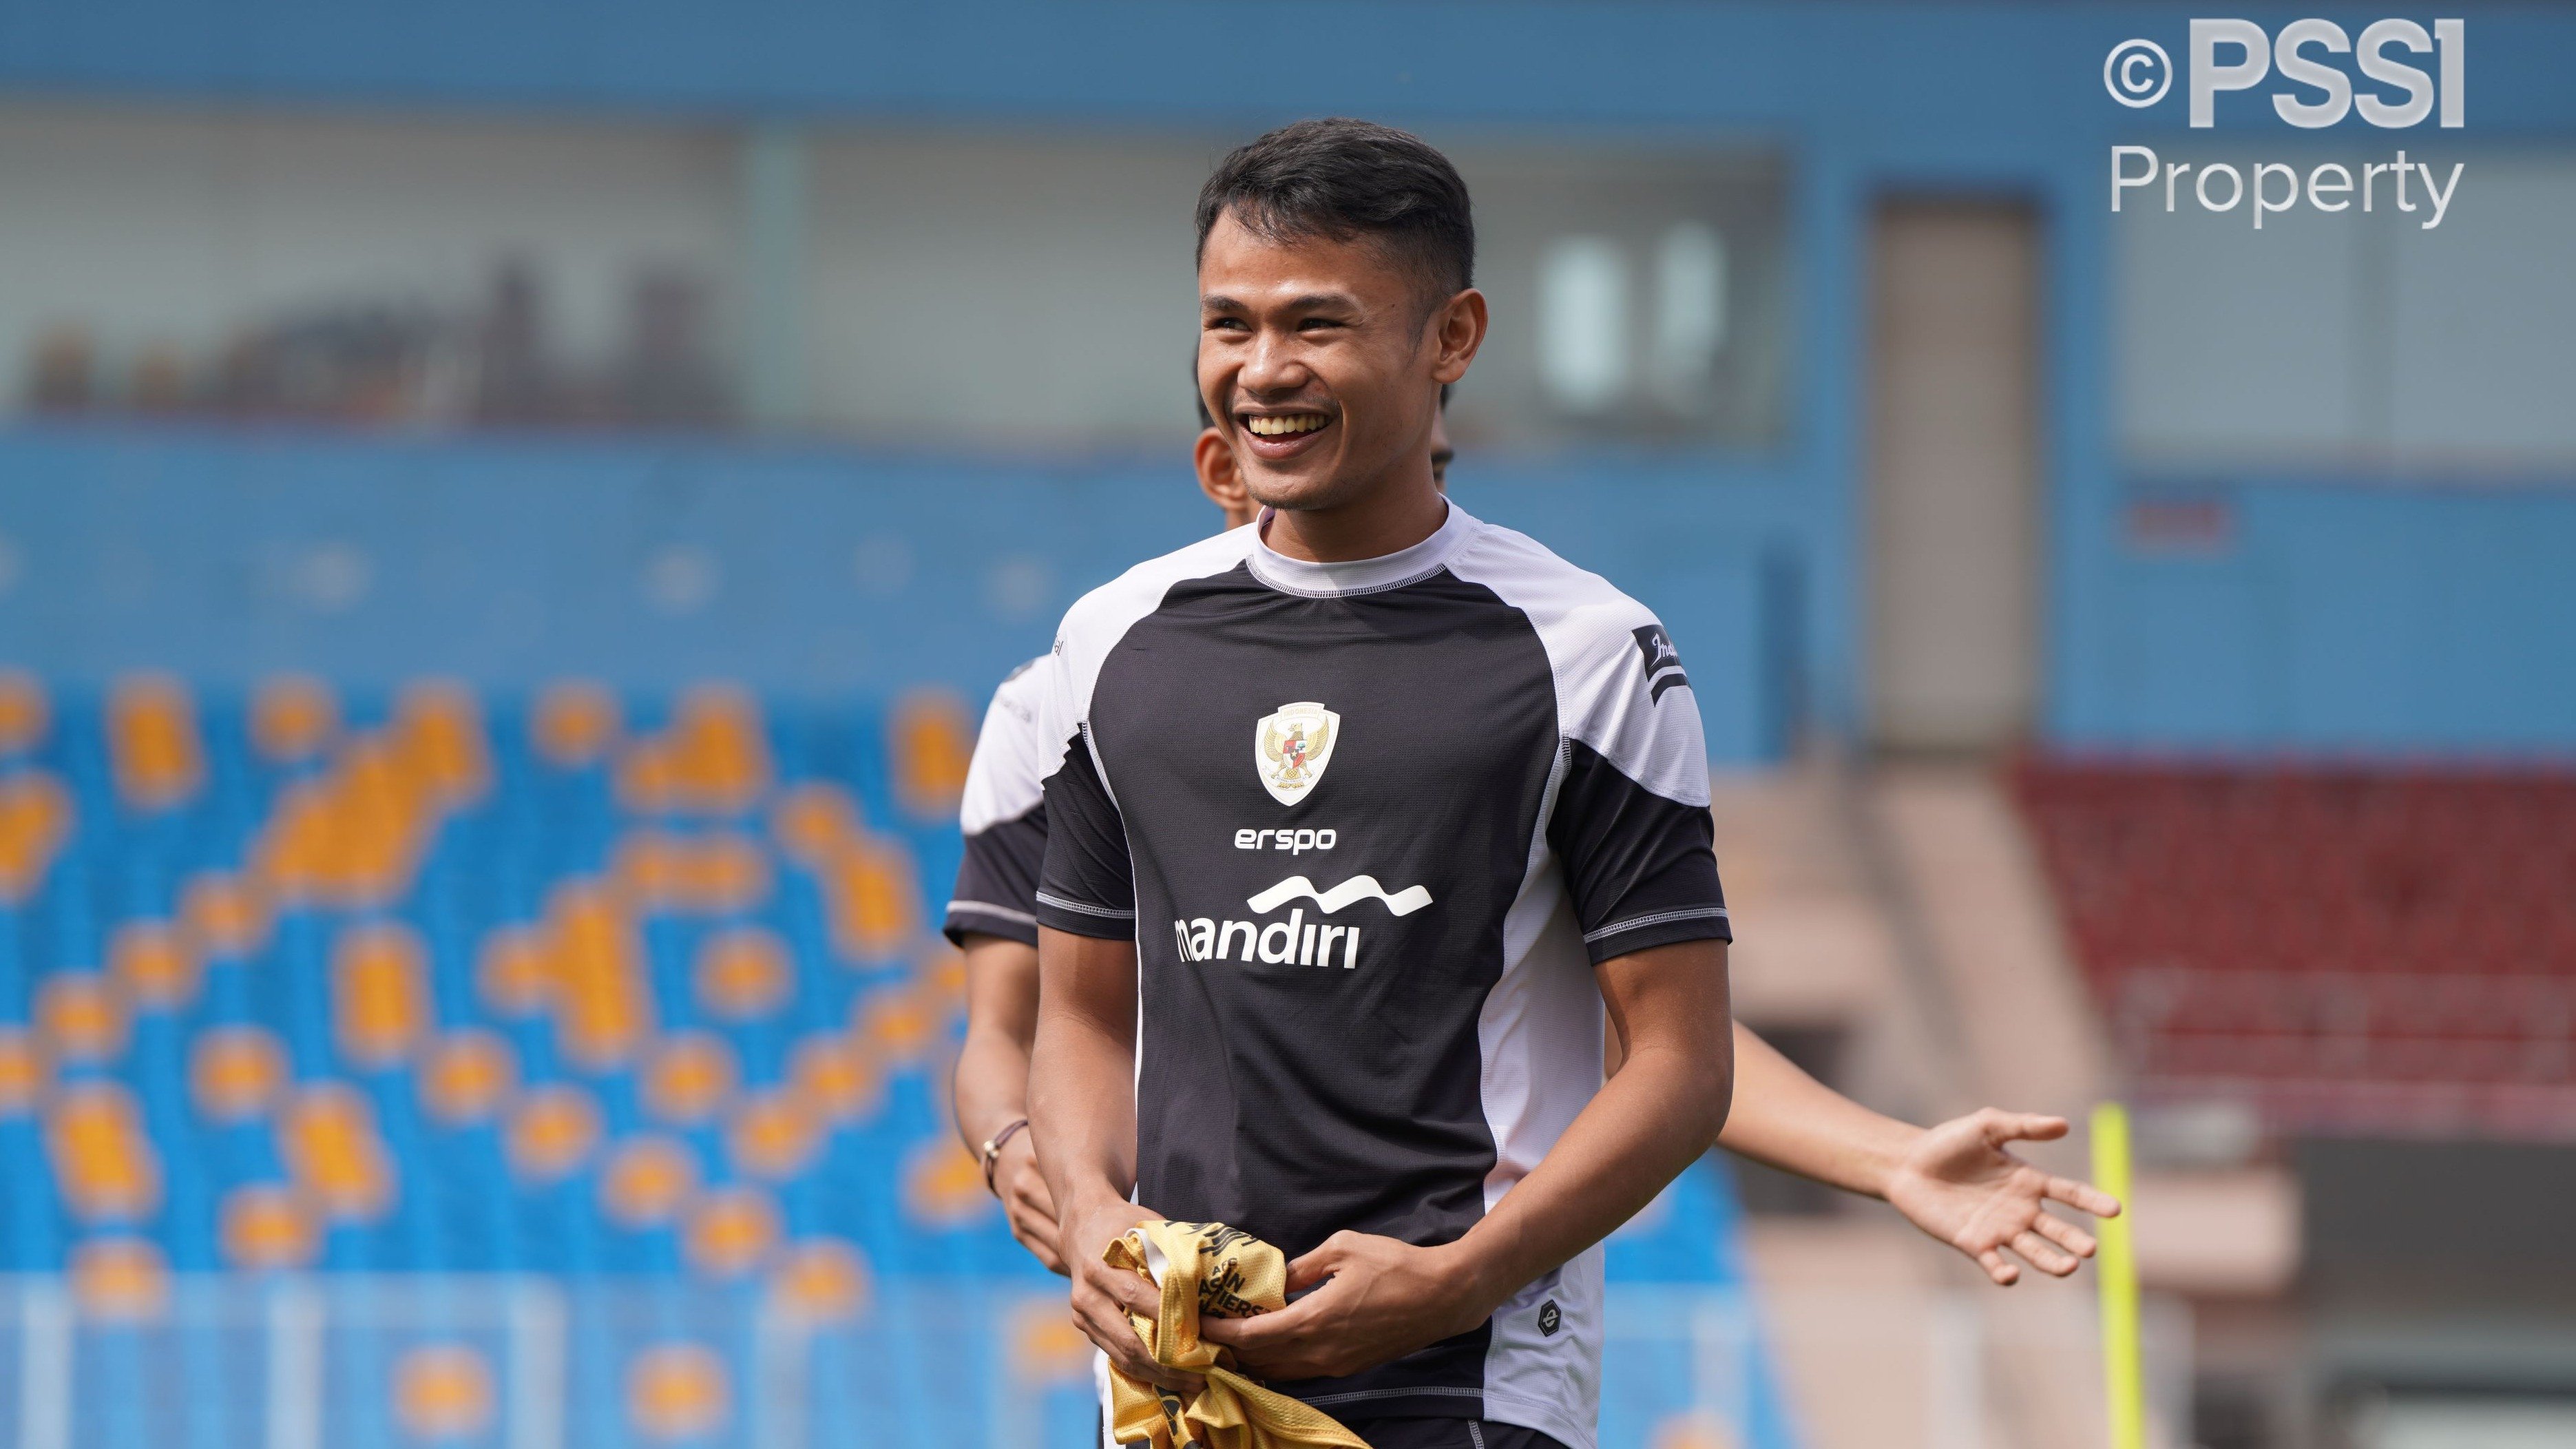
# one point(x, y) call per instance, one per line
point(1319, 363)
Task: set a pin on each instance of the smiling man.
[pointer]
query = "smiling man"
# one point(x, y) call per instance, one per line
point(991, 912)
point(1380, 1048)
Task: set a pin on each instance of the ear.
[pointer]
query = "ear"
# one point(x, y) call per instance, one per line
point(1214, 458)
point(1455, 330)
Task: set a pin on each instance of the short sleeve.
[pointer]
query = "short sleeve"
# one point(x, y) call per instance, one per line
point(997, 882)
point(1640, 864)
point(1003, 809)
point(1086, 886)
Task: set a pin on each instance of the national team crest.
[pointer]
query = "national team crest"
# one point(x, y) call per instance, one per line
point(1291, 748)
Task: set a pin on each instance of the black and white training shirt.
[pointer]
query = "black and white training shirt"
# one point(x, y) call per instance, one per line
point(1371, 825)
point(1003, 812)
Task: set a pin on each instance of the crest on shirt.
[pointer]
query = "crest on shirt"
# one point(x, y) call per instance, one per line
point(1291, 746)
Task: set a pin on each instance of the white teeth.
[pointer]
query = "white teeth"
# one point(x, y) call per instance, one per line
point(1282, 427)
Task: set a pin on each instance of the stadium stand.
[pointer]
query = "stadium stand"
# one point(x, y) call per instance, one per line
point(434, 1069)
point(2373, 951)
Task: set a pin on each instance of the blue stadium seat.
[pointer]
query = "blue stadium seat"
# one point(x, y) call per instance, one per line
point(621, 1021)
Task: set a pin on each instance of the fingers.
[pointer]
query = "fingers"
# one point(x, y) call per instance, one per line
point(2042, 1254)
point(1101, 1315)
point(1033, 1208)
point(1254, 1334)
point(1999, 1268)
point(2064, 1234)
point(1285, 1344)
point(1039, 1238)
point(1313, 1267)
point(2000, 1127)
point(2083, 1196)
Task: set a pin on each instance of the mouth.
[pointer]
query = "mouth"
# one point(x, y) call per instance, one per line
point(1276, 437)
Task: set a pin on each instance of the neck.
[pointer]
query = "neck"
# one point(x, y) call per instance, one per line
point(1389, 520)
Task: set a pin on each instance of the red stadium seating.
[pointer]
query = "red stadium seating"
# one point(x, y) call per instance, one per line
point(2348, 949)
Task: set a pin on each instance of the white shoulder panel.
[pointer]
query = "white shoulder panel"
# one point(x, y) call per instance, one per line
point(1619, 689)
point(1099, 619)
point(1015, 752)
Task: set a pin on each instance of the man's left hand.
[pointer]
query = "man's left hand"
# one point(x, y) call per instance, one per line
point(1959, 1184)
point(1381, 1299)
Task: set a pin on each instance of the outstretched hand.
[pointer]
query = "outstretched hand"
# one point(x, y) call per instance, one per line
point(1959, 1184)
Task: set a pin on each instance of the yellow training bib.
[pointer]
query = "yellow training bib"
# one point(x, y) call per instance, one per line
point(1208, 1268)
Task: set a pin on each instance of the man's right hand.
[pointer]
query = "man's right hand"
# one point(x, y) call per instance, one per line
point(1026, 1203)
point(1103, 1296)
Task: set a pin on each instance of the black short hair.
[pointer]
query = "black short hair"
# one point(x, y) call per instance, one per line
point(1340, 178)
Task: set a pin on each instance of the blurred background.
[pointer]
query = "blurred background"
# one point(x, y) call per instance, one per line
point(509, 516)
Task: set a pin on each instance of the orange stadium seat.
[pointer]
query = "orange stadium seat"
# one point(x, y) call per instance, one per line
point(712, 759)
point(575, 724)
point(153, 742)
point(328, 1139)
point(873, 900)
point(25, 712)
point(823, 1280)
point(743, 973)
point(943, 1183)
point(513, 972)
point(838, 1078)
point(899, 1024)
point(121, 1279)
point(772, 1136)
point(236, 1073)
point(25, 1071)
point(724, 873)
point(103, 1159)
point(443, 1393)
point(467, 1076)
point(933, 738)
point(379, 994)
point(35, 817)
point(688, 1078)
point(1045, 1346)
point(731, 1231)
point(603, 1002)
point(552, 1132)
point(648, 1181)
point(813, 821)
point(224, 914)
point(677, 1392)
point(267, 1226)
point(81, 1017)
point(438, 733)
point(154, 964)
point(292, 718)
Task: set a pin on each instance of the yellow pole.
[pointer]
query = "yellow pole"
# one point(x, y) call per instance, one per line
point(2123, 1387)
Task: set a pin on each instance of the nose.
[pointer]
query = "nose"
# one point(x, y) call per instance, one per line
point(1272, 366)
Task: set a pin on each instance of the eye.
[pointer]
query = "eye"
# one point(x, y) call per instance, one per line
point(1318, 324)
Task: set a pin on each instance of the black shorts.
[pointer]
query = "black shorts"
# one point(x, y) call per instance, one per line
point(1447, 1434)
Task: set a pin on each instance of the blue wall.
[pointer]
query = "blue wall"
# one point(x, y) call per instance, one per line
point(2405, 615)
point(812, 572)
